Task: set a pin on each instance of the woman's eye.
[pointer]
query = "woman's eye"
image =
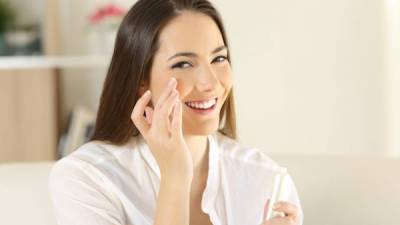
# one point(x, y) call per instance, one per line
point(220, 59)
point(181, 65)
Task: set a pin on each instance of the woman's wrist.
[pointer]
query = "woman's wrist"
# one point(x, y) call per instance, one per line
point(181, 183)
point(173, 192)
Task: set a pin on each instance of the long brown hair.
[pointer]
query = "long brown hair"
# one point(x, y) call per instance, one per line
point(135, 47)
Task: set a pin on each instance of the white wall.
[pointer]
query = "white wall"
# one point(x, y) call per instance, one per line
point(28, 12)
point(80, 86)
point(392, 65)
point(309, 75)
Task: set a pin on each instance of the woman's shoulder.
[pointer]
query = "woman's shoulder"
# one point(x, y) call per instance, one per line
point(233, 150)
point(95, 155)
point(86, 177)
point(95, 152)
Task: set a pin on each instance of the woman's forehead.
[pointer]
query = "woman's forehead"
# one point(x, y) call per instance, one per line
point(190, 32)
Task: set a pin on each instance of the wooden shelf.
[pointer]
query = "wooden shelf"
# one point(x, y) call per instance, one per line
point(28, 117)
point(30, 95)
point(56, 62)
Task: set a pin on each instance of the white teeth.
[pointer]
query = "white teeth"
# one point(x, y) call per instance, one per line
point(202, 105)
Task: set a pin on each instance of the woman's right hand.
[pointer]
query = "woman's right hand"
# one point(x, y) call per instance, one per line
point(163, 135)
point(289, 210)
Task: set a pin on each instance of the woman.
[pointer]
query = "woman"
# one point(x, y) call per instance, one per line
point(164, 149)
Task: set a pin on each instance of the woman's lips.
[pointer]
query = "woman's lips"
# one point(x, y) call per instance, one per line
point(202, 111)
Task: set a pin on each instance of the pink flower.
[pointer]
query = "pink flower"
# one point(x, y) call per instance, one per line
point(105, 12)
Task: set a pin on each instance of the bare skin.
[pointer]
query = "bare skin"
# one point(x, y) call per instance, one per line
point(176, 136)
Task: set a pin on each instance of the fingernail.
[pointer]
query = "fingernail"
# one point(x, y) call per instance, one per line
point(172, 81)
point(277, 205)
point(146, 93)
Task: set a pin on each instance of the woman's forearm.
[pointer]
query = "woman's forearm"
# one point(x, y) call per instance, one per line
point(173, 203)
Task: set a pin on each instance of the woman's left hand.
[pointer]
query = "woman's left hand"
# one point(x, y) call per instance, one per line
point(291, 214)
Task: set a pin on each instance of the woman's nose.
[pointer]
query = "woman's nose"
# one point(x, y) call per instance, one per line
point(207, 79)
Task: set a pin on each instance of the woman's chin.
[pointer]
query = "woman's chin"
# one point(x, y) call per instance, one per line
point(202, 129)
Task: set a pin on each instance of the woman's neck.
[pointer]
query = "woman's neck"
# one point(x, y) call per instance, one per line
point(198, 146)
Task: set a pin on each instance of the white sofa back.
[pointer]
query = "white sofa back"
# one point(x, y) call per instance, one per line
point(343, 190)
point(24, 198)
point(333, 190)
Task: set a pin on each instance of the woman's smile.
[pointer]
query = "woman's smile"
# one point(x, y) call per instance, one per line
point(202, 107)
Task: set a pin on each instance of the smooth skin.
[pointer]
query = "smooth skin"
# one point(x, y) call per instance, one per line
point(175, 134)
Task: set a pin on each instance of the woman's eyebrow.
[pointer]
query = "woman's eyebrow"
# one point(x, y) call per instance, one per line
point(192, 54)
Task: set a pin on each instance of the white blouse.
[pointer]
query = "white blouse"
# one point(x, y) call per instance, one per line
point(103, 184)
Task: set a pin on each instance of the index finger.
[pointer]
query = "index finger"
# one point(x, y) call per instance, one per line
point(165, 94)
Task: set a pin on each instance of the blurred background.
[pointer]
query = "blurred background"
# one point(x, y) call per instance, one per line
point(312, 78)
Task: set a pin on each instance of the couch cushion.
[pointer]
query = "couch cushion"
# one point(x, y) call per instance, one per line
point(24, 194)
point(342, 190)
point(334, 190)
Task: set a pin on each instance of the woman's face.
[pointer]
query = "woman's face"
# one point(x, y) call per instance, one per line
point(192, 50)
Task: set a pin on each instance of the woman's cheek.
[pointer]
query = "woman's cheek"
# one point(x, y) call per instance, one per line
point(185, 78)
point(225, 77)
point(180, 87)
point(159, 79)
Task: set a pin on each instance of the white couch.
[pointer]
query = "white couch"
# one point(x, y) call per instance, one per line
point(343, 190)
point(24, 198)
point(334, 190)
